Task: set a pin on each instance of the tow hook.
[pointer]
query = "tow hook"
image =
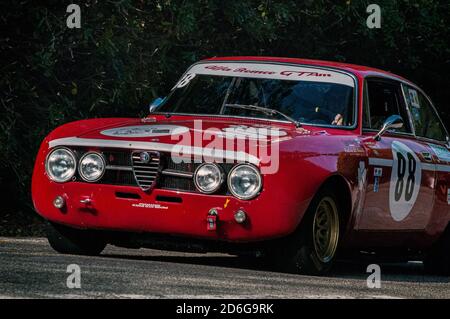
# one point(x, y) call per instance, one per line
point(87, 205)
point(86, 201)
point(211, 219)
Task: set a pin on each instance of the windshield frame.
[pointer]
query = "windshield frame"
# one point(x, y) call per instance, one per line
point(356, 110)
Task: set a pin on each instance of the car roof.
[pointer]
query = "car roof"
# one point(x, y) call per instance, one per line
point(353, 68)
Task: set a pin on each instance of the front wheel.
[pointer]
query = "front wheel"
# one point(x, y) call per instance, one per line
point(72, 241)
point(312, 249)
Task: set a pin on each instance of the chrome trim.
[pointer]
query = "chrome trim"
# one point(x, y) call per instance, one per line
point(119, 168)
point(405, 82)
point(71, 153)
point(154, 146)
point(146, 175)
point(390, 132)
point(81, 173)
point(408, 110)
point(222, 178)
point(435, 113)
point(175, 173)
point(243, 197)
point(392, 81)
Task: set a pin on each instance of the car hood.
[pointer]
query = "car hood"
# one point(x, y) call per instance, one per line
point(181, 130)
point(222, 138)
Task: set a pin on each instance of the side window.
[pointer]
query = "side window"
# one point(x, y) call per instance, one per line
point(425, 120)
point(383, 99)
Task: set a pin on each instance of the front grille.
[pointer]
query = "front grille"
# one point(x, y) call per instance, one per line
point(118, 158)
point(118, 177)
point(125, 167)
point(177, 183)
point(145, 171)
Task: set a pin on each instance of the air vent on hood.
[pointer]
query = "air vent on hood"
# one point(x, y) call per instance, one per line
point(146, 166)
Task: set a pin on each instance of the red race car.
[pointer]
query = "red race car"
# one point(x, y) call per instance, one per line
point(294, 160)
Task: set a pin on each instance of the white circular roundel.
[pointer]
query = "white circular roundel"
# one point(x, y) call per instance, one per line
point(145, 131)
point(405, 181)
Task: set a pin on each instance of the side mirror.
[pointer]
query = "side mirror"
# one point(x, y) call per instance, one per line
point(156, 102)
point(392, 122)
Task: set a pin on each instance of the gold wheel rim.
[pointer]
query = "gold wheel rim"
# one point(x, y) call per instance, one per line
point(326, 229)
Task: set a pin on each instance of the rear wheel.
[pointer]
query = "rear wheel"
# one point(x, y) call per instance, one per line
point(312, 249)
point(72, 241)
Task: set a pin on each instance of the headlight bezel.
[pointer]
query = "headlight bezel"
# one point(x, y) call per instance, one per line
point(220, 183)
point(50, 175)
point(259, 178)
point(80, 171)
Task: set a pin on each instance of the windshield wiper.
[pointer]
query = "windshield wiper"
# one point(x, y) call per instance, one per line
point(265, 110)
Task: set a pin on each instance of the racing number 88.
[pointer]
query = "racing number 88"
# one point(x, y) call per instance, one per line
point(401, 172)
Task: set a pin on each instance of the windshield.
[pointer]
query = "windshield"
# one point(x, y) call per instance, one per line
point(306, 101)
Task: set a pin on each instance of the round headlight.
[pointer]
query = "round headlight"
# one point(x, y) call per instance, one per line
point(208, 178)
point(244, 181)
point(91, 167)
point(60, 165)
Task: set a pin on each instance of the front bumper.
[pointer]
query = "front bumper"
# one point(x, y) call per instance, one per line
point(125, 208)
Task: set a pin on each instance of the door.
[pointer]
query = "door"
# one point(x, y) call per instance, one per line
point(400, 168)
point(430, 129)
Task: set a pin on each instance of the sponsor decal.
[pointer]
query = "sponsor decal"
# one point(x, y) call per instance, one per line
point(269, 71)
point(377, 173)
point(248, 132)
point(185, 80)
point(302, 131)
point(376, 184)
point(149, 206)
point(414, 98)
point(405, 181)
point(362, 174)
point(145, 131)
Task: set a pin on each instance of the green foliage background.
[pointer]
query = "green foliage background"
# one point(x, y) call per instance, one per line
point(129, 52)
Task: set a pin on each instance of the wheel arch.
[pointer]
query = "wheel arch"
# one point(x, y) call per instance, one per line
point(341, 187)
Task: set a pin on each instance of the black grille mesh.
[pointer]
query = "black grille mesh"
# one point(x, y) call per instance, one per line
point(123, 158)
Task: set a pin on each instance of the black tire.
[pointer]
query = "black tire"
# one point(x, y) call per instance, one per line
point(72, 241)
point(300, 254)
point(437, 261)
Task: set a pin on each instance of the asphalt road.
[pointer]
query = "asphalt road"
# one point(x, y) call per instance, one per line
point(29, 268)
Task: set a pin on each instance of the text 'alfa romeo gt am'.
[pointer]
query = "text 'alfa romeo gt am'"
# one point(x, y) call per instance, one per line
point(291, 160)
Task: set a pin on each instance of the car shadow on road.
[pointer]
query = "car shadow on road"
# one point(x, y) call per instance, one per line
point(344, 269)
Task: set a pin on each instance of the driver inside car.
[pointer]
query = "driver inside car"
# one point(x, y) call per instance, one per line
point(334, 106)
point(338, 120)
